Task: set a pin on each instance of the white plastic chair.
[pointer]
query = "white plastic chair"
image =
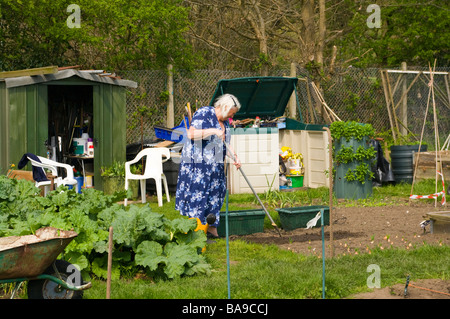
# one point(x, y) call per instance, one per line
point(46, 184)
point(53, 167)
point(153, 169)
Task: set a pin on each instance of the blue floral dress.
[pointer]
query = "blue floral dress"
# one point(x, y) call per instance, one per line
point(201, 185)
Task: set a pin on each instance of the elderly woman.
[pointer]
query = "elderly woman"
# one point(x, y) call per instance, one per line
point(201, 183)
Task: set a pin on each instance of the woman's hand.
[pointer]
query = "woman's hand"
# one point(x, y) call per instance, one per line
point(233, 156)
point(220, 134)
point(237, 162)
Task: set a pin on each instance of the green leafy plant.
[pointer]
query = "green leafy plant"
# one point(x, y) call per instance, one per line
point(143, 239)
point(364, 154)
point(346, 131)
point(118, 169)
point(408, 139)
point(345, 155)
point(115, 169)
point(350, 176)
point(351, 129)
point(113, 178)
point(361, 173)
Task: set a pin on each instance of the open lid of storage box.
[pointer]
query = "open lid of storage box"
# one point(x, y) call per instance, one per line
point(264, 96)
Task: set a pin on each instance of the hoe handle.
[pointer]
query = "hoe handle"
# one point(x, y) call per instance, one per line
point(253, 190)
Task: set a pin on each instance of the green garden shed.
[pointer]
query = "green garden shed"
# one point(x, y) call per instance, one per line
point(43, 111)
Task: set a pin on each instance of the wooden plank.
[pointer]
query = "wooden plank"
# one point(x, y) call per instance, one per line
point(29, 72)
point(426, 166)
point(415, 72)
point(429, 158)
point(164, 144)
point(69, 67)
point(424, 173)
point(27, 175)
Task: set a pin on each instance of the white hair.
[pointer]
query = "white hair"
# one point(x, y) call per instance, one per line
point(226, 102)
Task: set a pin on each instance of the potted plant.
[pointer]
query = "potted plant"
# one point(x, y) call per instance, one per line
point(294, 166)
point(113, 178)
point(352, 157)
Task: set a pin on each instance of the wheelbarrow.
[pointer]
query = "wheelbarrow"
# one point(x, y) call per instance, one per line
point(32, 259)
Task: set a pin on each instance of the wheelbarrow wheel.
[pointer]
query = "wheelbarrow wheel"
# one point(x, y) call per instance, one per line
point(48, 289)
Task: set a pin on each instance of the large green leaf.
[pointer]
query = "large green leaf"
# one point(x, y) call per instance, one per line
point(180, 260)
point(167, 248)
point(195, 239)
point(126, 227)
point(182, 225)
point(149, 254)
point(100, 268)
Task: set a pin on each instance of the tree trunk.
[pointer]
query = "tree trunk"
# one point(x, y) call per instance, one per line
point(322, 30)
point(255, 18)
point(307, 40)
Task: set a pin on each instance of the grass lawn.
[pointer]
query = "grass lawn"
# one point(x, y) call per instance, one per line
point(259, 271)
point(267, 272)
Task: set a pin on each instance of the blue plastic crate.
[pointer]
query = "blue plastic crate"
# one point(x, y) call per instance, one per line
point(175, 134)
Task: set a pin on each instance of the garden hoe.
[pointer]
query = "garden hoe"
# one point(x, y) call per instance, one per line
point(253, 190)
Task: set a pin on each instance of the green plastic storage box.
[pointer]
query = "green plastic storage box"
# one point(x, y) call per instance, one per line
point(297, 217)
point(297, 180)
point(243, 222)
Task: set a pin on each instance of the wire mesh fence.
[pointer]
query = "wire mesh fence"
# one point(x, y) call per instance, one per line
point(415, 100)
point(353, 94)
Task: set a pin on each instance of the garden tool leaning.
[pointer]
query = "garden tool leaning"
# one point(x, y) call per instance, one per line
point(231, 153)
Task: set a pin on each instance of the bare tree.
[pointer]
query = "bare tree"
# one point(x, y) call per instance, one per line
point(245, 22)
point(261, 33)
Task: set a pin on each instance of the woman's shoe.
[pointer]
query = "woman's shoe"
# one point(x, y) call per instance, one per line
point(211, 236)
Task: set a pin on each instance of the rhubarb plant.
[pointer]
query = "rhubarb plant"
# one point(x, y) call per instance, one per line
point(142, 238)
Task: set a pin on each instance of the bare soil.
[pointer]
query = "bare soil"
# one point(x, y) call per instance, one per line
point(422, 289)
point(358, 230)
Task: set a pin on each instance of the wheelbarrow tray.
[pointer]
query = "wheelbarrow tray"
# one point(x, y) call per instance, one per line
point(29, 256)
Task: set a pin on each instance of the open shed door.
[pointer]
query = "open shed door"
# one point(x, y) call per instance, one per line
point(109, 123)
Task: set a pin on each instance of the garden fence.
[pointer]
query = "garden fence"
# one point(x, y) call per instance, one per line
point(353, 94)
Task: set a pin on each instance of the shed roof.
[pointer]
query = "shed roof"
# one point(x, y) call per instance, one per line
point(90, 75)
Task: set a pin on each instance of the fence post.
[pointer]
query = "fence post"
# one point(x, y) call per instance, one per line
point(170, 107)
point(404, 110)
point(293, 99)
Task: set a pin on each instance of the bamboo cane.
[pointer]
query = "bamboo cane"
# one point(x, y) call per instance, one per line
point(108, 279)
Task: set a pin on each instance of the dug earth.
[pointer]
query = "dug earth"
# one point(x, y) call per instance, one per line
point(358, 230)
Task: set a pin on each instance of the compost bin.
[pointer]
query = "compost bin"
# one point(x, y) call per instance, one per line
point(402, 161)
point(265, 99)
